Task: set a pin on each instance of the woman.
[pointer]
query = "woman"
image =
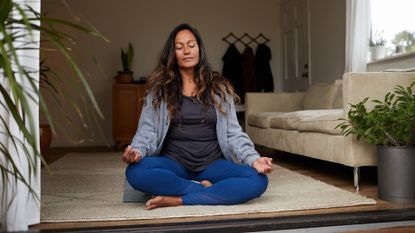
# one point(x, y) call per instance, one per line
point(189, 148)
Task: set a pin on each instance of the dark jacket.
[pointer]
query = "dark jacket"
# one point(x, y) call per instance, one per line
point(263, 73)
point(248, 70)
point(232, 68)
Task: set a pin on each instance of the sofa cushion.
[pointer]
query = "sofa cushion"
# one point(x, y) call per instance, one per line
point(320, 96)
point(290, 120)
point(323, 122)
point(261, 119)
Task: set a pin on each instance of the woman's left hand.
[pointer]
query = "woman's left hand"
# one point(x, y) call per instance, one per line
point(263, 165)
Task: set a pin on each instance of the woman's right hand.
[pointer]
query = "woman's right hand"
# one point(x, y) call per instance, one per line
point(130, 155)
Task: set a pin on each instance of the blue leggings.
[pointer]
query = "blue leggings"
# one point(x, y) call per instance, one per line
point(232, 183)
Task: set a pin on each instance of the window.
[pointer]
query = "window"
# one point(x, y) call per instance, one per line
point(393, 25)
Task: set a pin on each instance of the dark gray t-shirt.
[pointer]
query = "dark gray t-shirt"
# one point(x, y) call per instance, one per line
point(191, 139)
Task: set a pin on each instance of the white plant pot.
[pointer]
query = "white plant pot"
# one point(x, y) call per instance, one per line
point(378, 52)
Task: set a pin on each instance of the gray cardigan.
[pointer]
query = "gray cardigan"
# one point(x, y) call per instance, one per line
point(154, 124)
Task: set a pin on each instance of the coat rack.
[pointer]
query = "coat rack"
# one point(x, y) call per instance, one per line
point(232, 39)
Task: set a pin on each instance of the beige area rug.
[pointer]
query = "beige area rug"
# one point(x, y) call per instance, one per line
point(88, 187)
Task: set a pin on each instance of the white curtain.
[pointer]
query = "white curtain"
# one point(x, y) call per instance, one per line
point(357, 34)
point(24, 209)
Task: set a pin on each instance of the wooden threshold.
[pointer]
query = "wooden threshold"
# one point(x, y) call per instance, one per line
point(258, 224)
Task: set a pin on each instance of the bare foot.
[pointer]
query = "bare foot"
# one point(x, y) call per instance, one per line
point(163, 201)
point(206, 183)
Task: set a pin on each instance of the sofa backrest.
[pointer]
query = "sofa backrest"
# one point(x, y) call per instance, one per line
point(323, 96)
point(338, 97)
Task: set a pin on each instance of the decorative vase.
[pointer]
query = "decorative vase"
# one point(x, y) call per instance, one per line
point(396, 174)
point(125, 77)
point(378, 52)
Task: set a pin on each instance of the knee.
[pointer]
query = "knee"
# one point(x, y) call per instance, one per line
point(134, 170)
point(137, 173)
point(260, 184)
point(130, 170)
point(137, 176)
point(131, 173)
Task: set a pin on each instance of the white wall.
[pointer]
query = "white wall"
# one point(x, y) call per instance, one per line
point(147, 23)
point(327, 40)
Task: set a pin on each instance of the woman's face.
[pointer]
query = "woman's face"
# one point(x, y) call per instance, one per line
point(187, 50)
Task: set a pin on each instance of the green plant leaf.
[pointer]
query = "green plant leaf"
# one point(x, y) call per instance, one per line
point(6, 7)
point(18, 22)
point(127, 57)
point(391, 122)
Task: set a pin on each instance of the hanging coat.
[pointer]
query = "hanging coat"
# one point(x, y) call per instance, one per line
point(263, 73)
point(248, 70)
point(232, 68)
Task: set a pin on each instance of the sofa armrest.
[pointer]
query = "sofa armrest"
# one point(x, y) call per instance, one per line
point(357, 86)
point(273, 102)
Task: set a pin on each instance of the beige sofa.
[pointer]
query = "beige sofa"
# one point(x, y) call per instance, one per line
point(304, 122)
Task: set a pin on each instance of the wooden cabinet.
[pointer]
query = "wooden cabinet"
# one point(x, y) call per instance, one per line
point(127, 102)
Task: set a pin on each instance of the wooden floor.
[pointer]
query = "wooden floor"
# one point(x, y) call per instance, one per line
point(334, 174)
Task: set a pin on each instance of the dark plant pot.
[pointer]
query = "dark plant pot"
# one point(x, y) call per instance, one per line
point(125, 77)
point(396, 174)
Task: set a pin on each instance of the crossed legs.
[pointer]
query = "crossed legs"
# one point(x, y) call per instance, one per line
point(222, 183)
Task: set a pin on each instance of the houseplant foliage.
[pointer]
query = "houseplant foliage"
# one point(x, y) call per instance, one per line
point(126, 75)
point(391, 126)
point(17, 23)
point(390, 123)
point(406, 39)
point(127, 57)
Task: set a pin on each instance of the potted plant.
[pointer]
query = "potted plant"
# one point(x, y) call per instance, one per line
point(403, 41)
point(377, 46)
point(391, 126)
point(19, 95)
point(126, 75)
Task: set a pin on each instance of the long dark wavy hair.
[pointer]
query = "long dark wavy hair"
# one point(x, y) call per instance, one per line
point(165, 83)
